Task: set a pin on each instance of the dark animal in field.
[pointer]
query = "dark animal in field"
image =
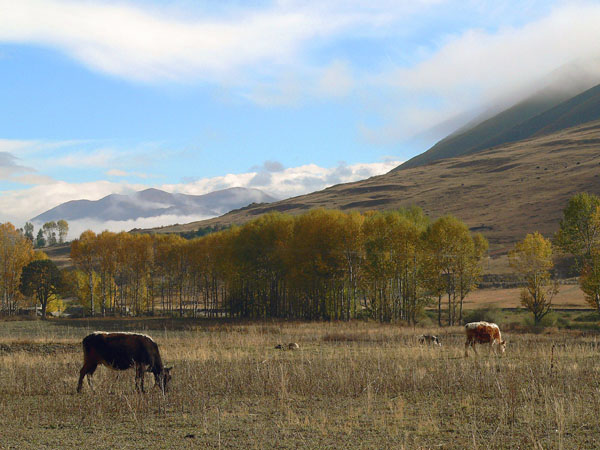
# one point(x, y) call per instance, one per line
point(290, 346)
point(483, 333)
point(121, 351)
point(429, 339)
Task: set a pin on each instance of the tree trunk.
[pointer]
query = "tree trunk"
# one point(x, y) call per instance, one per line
point(91, 284)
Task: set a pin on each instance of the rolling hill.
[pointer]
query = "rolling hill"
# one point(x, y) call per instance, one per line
point(504, 192)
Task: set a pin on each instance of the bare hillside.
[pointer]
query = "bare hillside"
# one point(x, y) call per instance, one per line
point(504, 192)
point(541, 114)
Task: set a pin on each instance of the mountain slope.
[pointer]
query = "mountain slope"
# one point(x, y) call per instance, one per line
point(545, 112)
point(505, 192)
point(154, 203)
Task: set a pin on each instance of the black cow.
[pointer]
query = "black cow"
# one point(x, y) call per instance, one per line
point(121, 351)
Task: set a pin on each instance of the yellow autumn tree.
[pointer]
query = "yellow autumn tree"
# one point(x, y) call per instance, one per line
point(589, 280)
point(84, 255)
point(16, 251)
point(453, 263)
point(532, 259)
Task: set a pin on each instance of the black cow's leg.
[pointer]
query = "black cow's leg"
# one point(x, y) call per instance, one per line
point(139, 377)
point(87, 369)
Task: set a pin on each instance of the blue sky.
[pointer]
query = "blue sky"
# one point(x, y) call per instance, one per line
point(113, 96)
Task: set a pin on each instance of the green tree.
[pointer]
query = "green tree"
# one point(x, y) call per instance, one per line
point(50, 232)
point(42, 279)
point(28, 231)
point(532, 259)
point(579, 230)
point(40, 240)
point(589, 281)
point(63, 230)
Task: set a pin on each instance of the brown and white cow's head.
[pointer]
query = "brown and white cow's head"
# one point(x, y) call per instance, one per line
point(502, 346)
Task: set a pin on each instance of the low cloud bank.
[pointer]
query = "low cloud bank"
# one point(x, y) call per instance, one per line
point(76, 227)
point(18, 206)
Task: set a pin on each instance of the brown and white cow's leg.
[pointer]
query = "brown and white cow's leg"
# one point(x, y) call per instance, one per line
point(87, 369)
point(468, 344)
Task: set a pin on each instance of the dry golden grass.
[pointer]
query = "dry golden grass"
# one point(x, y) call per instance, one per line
point(355, 385)
point(569, 296)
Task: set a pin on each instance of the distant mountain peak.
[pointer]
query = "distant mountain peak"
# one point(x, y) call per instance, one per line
point(154, 202)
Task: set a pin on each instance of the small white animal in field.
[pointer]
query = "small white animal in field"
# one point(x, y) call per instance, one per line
point(483, 333)
point(429, 339)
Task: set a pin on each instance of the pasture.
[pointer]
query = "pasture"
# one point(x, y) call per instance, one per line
point(350, 385)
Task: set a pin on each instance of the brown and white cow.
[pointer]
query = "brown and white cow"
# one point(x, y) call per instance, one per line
point(483, 333)
point(121, 351)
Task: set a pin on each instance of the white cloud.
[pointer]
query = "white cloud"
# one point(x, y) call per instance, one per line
point(19, 206)
point(13, 145)
point(116, 173)
point(480, 68)
point(76, 227)
point(10, 167)
point(336, 80)
point(288, 182)
point(261, 50)
point(161, 43)
point(102, 157)
point(123, 173)
point(115, 160)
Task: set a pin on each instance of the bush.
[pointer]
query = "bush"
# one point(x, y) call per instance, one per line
point(487, 314)
point(425, 321)
point(587, 317)
point(548, 321)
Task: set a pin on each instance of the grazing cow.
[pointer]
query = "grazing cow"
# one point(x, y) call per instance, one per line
point(483, 333)
point(290, 346)
point(429, 339)
point(121, 351)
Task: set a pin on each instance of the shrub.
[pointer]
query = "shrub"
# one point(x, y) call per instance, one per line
point(548, 321)
point(487, 314)
point(587, 317)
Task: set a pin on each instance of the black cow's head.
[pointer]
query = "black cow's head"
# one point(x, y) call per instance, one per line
point(163, 379)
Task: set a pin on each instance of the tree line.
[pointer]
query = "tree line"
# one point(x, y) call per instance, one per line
point(321, 265)
point(51, 233)
point(578, 237)
point(386, 266)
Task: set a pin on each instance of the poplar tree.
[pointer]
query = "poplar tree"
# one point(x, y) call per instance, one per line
point(532, 259)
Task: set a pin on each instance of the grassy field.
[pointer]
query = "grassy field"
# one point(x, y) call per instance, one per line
point(569, 296)
point(355, 385)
